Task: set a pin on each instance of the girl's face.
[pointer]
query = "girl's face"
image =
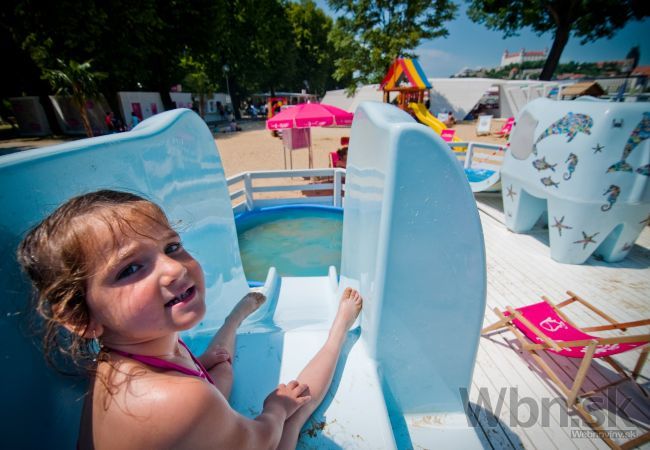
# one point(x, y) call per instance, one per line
point(143, 285)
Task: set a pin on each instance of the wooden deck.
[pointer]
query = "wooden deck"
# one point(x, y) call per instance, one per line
point(514, 403)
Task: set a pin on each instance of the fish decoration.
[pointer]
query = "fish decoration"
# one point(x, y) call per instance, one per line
point(548, 181)
point(572, 162)
point(640, 133)
point(613, 192)
point(541, 164)
point(644, 170)
point(571, 125)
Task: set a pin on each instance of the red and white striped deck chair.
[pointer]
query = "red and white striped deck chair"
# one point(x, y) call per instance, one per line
point(543, 326)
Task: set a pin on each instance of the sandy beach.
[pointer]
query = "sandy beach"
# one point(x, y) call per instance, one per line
point(254, 148)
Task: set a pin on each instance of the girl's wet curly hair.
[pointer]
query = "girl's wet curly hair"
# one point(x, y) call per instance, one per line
point(56, 255)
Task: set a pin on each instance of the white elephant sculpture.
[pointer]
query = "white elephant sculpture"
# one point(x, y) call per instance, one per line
point(586, 162)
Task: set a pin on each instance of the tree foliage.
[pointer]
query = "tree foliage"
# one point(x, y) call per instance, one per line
point(586, 19)
point(268, 45)
point(314, 63)
point(370, 34)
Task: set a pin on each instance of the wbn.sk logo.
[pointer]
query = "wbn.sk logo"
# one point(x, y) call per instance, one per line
point(528, 411)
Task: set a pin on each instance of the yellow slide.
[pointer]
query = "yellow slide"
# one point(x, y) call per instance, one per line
point(428, 119)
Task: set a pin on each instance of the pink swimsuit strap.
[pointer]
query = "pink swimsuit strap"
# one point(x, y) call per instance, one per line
point(160, 363)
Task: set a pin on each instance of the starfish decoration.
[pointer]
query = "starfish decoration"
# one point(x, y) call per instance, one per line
point(646, 221)
point(511, 193)
point(598, 148)
point(586, 239)
point(559, 225)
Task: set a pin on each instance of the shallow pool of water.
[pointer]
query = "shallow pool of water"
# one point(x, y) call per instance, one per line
point(296, 240)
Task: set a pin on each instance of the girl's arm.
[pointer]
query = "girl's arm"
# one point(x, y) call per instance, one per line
point(197, 416)
point(218, 362)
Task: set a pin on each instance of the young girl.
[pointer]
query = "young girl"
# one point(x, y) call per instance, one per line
point(110, 272)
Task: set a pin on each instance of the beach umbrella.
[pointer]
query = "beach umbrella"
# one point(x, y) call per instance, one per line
point(308, 115)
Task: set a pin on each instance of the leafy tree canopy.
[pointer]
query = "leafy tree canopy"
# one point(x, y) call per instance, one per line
point(369, 35)
point(314, 53)
point(267, 45)
point(586, 19)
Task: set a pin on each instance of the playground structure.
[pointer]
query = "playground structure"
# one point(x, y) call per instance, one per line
point(584, 166)
point(406, 77)
point(274, 106)
point(399, 381)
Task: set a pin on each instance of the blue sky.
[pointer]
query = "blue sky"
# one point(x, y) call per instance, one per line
point(472, 45)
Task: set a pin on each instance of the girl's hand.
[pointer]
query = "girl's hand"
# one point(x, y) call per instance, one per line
point(214, 356)
point(289, 397)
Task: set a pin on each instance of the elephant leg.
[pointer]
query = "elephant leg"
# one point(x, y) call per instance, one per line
point(574, 234)
point(621, 240)
point(521, 209)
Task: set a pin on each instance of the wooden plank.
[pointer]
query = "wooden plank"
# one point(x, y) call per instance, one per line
point(520, 270)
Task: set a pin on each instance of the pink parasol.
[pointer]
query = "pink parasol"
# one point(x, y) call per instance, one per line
point(307, 115)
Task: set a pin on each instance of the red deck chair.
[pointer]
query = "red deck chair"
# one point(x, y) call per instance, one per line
point(448, 135)
point(543, 326)
point(506, 128)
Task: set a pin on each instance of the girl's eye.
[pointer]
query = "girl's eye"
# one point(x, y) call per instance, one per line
point(174, 247)
point(129, 270)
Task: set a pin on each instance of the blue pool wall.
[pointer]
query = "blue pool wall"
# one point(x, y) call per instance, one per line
point(170, 158)
point(247, 219)
point(413, 245)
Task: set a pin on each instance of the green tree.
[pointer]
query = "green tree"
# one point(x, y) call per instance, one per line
point(369, 35)
point(314, 53)
point(588, 20)
point(197, 80)
point(145, 57)
point(79, 81)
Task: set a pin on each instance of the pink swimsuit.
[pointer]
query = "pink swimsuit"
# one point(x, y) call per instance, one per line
point(163, 364)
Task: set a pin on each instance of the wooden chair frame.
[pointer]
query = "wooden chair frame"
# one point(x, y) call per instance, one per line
point(572, 393)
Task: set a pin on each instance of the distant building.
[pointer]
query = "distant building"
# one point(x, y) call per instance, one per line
point(466, 72)
point(522, 56)
point(641, 71)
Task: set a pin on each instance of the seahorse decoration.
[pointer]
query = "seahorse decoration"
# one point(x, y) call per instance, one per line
point(613, 191)
point(541, 164)
point(571, 125)
point(572, 162)
point(640, 133)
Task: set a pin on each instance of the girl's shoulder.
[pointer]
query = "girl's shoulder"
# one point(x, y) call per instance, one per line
point(137, 400)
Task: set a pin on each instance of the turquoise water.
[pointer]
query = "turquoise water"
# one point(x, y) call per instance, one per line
point(476, 175)
point(302, 241)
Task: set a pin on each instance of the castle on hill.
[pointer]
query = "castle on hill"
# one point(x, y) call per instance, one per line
point(522, 56)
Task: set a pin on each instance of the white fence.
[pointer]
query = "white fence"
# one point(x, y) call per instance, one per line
point(326, 186)
point(479, 155)
point(321, 186)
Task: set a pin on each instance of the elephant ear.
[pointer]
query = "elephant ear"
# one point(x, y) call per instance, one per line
point(521, 139)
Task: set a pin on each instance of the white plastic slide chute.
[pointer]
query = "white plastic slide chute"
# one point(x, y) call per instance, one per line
point(413, 247)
